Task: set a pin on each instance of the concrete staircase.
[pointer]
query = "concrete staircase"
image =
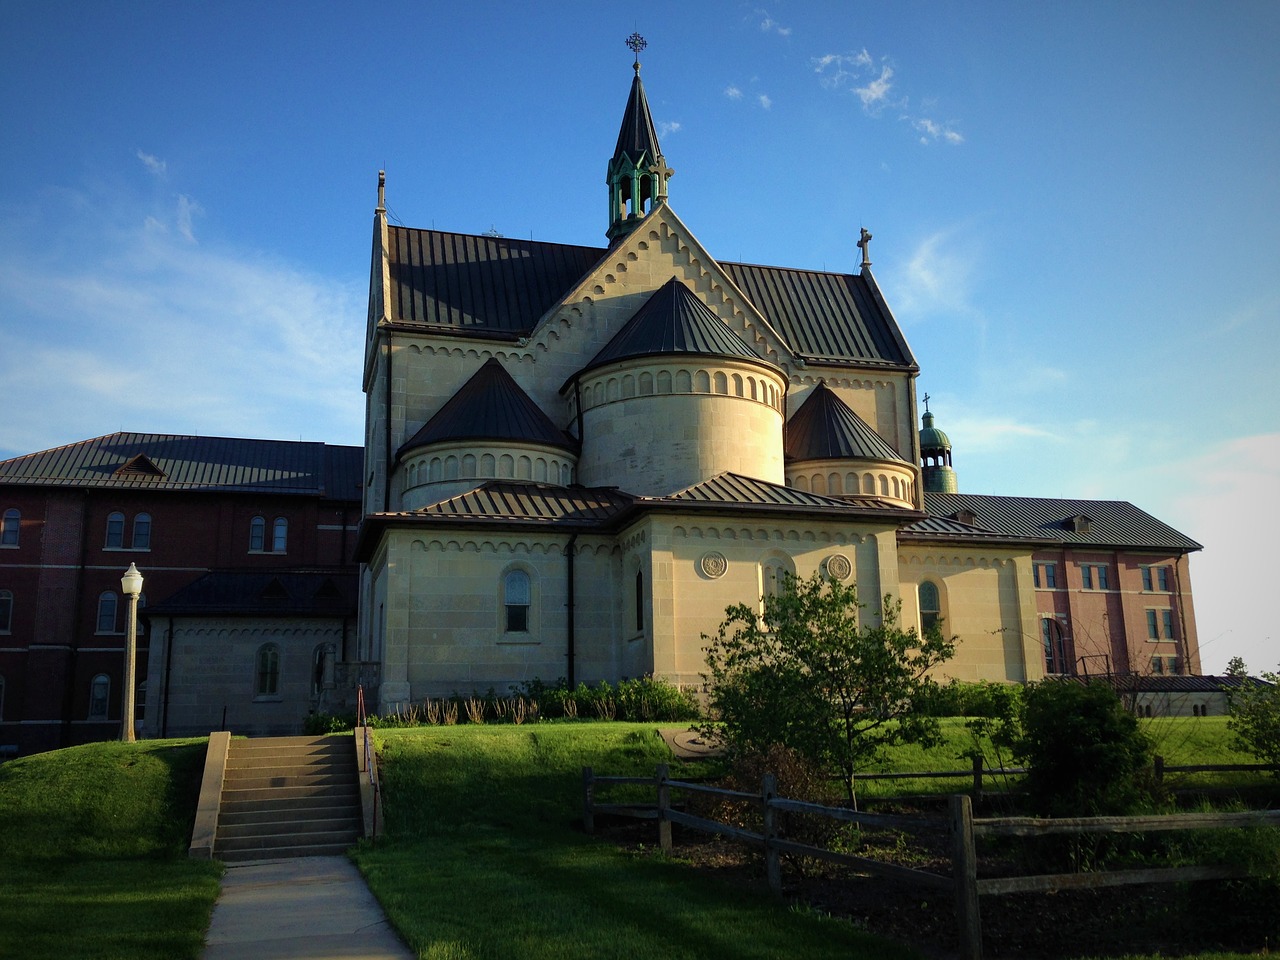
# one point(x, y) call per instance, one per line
point(288, 797)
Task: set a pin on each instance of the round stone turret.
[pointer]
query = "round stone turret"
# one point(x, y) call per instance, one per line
point(936, 472)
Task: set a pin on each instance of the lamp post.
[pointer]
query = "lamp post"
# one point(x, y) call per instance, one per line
point(131, 584)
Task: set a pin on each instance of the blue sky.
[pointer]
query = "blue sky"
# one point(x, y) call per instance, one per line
point(1075, 210)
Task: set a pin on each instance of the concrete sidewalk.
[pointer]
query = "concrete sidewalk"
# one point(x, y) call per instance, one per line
point(307, 908)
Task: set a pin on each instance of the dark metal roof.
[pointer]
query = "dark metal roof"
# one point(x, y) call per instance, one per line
point(735, 490)
point(836, 317)
point(637, 139)
point(824, 428)
point(223, 464)
point(490, 406)
point(947, 528)
point(674, 321)
point(496, 286)
point(293, 593)
point(493, 284)
point(1112, 523)
point(513, 500)
point(1173, 683)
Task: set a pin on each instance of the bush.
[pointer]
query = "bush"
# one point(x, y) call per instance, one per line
point(1085, 753)
point(986, 698)
point(1255, 717)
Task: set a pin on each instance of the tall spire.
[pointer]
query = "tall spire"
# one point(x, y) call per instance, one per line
point(637, 174)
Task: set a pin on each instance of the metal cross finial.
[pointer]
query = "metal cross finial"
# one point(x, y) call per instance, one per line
point(926, 403)
point(636, 43)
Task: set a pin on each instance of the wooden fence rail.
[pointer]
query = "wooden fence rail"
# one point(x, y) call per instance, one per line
point(964, 829)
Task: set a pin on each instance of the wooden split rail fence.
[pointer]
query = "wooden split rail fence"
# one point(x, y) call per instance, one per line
point(964, 829)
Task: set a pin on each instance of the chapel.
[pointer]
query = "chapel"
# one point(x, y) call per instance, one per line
point(576, 457)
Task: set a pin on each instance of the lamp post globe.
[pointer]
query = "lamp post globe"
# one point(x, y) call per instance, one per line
point(131, 585)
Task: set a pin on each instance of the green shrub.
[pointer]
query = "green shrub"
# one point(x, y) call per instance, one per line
point(1085, 753)
point(1255, 718)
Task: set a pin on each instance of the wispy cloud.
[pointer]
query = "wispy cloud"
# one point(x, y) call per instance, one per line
point(873, 82)
point(764, 101)
point(155, 333)
point(668, 126)
point(770, 25)
point(732, 92)
point(153, 163)
point(936, 278)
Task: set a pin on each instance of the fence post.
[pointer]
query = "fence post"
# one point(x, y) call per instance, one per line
point(772, 863)
point(588, 801)
point(664, 804)
point(977, 779)
point(965, 872)
point(1159, 771)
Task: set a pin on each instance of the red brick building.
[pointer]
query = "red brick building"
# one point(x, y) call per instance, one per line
point(74, 518)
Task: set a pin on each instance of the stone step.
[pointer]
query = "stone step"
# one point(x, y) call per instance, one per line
point(298, 792)
point(268, 810)
point(290, 826)
point(302, 778)
point(283, 853)
point(262, 758)
point(276, 841)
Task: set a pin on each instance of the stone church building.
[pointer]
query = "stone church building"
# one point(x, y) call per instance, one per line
point(576, 457)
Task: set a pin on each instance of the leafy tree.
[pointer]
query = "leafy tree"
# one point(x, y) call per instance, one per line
point(1085, 753)
point(1254, 710)
point(817, 674)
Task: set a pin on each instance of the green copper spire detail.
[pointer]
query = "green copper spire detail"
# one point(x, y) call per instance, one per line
point(638, 173)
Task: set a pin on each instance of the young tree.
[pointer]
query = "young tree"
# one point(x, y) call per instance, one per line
point(1255, 714)
point(818, 674)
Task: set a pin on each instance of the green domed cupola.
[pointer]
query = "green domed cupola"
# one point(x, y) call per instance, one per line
point(936, 473)
point(637, 173)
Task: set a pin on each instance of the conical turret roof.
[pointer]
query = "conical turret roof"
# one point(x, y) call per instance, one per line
point(674, 321)
point(638, 137)
point(490, 406)
point(825, 428)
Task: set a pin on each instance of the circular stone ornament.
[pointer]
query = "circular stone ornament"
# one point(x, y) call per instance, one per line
point(714, 564)
point(838, 566)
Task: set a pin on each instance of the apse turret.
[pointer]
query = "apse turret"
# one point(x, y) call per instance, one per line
point(935, 457)
point(638, 173)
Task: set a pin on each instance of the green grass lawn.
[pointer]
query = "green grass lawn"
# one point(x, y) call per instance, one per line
point(93, 863)
point(483, 859)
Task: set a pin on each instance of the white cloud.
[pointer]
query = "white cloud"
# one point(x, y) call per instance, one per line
point(936, 278)
point(188, 209)
point(931, 131)
point(874, 94)
point(668, 126)
point(156, 334)
point(733, 93)
point(764, 101)
point(152, 163)
point(770, 25)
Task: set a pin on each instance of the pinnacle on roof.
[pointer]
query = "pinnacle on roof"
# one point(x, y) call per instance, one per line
point(825, 428)
point(490, 406)
point(638, 173)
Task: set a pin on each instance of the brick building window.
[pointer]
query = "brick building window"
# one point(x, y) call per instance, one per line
point(1045, 575)
point(257, 534)
point(99, 696)
point(1055, 646)
point(115, 531)
point(1163, 579)
point(10, 527)
point(6, 611)
point(1093, 576)
point(142, 531)
point(107, 603)
point(280, 535)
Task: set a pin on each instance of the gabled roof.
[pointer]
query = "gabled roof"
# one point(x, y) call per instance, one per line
point(825, 428)
point(674, 321)
point(1113, 523)
point(293, 593)
point(480, 286)
point(158, 461)
point(637, 138)
point(490, 406)
point(514, 500)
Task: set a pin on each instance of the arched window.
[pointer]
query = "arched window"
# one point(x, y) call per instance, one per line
point(142, 531)
point(322, 668)
point(774, 574)
point(1055, 646)
point(115, 530)
point(267, 671)
point(930, 605)
point(257, 534)
point(280, 535)
point(10, 527)
point(516, 599)
point(639, 600)
point(6, 611)
point(107, 603)
point(99, 697)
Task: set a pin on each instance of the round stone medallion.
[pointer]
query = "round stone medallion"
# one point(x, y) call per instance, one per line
point(838, 566)
point(714, 564)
